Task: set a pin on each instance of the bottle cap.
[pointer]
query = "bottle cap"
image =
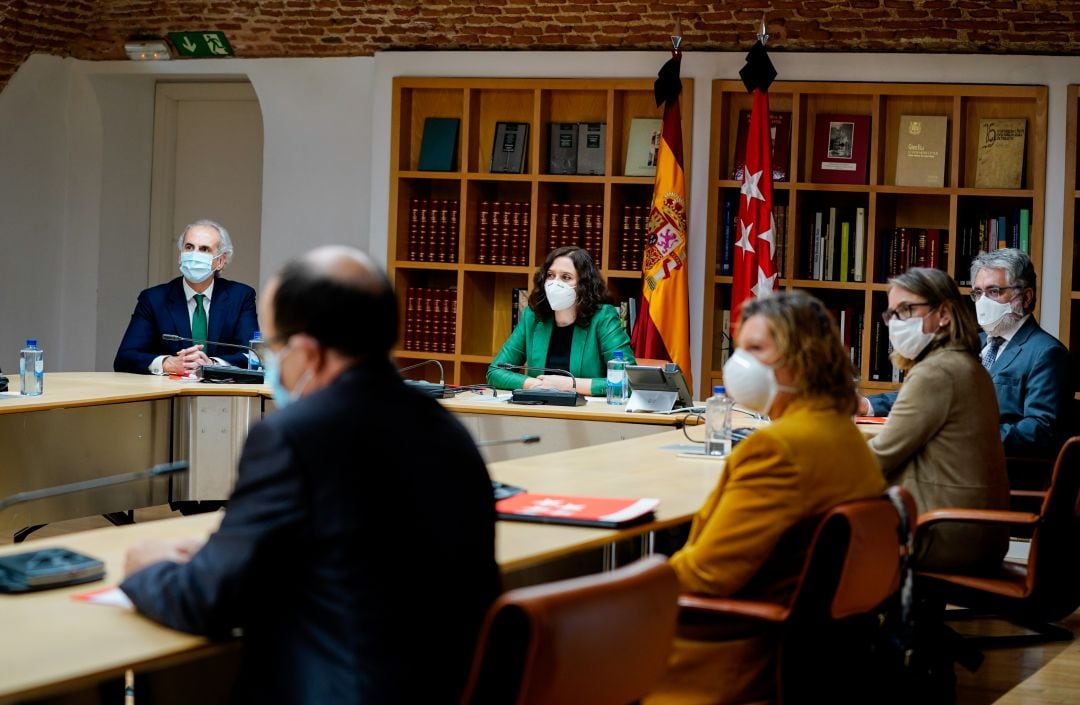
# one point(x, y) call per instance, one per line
point(617, 355)
point(718, 389)
point(31, 342)
point(256, 335)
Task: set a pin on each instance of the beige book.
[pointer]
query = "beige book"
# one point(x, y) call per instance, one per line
point(643, 147)
point(920, 150)
point(1000, 162)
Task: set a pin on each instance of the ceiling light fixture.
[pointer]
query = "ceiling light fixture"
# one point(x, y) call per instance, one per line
point(147, 50)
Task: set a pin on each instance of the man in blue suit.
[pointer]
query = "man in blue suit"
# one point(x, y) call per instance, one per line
point(200, 304)
point(1031, 369)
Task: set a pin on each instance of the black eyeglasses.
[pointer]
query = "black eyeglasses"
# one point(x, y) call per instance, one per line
point(903, 311)
point(994, 292)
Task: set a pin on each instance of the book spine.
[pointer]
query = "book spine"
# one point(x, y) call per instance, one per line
point(483, 233)
point(1025, 230)
point(414, 230)
point(860, 244)
point(454, 208)
point(409, 343)
point(845, 244)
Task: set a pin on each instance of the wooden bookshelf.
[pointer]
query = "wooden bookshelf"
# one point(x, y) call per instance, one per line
point(483, 291)
point(887, 206)
point(1069, 327)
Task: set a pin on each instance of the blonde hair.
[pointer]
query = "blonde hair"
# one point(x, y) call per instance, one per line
point(808, 340)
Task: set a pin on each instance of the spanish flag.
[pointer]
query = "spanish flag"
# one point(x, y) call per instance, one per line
point(663, 327)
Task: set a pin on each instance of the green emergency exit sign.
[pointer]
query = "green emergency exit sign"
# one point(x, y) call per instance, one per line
point(201, 44)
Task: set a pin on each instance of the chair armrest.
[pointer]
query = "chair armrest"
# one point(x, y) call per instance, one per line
point(1040, 494)
point(727, 607)
point(979, 516)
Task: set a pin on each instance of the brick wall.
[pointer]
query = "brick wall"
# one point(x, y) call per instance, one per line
point(96, 29)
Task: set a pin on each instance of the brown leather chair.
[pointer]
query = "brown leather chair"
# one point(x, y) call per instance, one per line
point(598, 640)
point(1047, 587)
point(824, 631)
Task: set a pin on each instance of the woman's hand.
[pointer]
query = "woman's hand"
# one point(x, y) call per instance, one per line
point(562, 382)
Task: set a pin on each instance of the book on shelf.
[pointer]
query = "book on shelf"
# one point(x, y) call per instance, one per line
point(604, 512)
point(860, 245)
point(510, 148)
point(905, 247)
point(628, 314)
point(841, 149)
point(432, 232)
point(1000, 160)
point(631, 244)
point(502, 233)
point(438, 145)
point(780, 138)
point(643, 146)
point(519, 301)
point(920, 150)
point(728, 237)
point(563, 148)
point(590, 148)
point(430, 319)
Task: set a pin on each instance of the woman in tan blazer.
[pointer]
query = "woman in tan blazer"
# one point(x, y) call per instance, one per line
point(791, 365)
point(941, 440)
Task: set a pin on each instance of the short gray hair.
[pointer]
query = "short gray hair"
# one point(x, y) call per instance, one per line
point(226, 241)
point(1019, 269)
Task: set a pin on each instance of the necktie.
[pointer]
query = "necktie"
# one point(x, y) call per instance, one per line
point(990, 354)
point(198, 320)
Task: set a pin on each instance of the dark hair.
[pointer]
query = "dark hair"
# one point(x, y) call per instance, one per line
point(357, 317)
point(809, 344)
point(592, 293)
point(938, 288)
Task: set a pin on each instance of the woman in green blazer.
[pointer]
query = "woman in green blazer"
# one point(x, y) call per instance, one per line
point(570, 324)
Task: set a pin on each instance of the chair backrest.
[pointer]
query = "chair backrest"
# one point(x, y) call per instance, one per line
point(854, 562)
point(1053, 571)
point(598, 640)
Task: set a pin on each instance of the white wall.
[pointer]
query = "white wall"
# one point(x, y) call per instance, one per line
point(75, 163)
point(75, 156)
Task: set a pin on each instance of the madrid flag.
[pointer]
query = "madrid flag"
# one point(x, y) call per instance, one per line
point(663, 326)
point(755, 272)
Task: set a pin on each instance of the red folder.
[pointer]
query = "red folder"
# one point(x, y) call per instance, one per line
point(604, 512)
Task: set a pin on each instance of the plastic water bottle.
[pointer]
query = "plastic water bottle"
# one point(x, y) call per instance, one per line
point(32, 369)
point(718, 422)
point(617, 389)
point(255, 358)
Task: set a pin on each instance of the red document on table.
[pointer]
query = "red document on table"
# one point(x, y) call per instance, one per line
point(604, 512)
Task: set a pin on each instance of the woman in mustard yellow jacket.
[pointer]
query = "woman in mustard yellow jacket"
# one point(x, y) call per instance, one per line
point(790, 364)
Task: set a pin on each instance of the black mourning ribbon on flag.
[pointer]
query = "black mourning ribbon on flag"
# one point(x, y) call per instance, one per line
point(668, 85)
point(759, 71)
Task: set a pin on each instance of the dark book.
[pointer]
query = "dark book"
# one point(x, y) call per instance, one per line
point(841, 149)
point(519, 301)
point(563, 148)
point(509, 150)
point(727, 241)
point(438, 147)
point(780, 136)
point(590, 148)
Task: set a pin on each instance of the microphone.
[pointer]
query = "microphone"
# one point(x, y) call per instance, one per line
point(96, 483)
point(508, 441)
point(59, 567)
point(223, 373)
point(539, 395)
point(454, 391)
point(432, 389)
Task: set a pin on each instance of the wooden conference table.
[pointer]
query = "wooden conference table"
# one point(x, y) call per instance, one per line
point(89, 425)
point(64, 645)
